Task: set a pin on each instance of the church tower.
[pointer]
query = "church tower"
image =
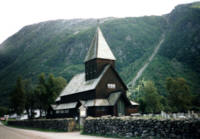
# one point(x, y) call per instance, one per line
point(99, 89)
point(98, 56)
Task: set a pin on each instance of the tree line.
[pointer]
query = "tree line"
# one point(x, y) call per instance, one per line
point(178, 97)
point(28, 97)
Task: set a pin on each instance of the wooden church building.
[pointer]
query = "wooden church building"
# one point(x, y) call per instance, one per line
point(99, 89)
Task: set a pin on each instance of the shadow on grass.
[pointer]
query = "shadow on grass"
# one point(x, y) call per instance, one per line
point(112, 136)
point(37, 129)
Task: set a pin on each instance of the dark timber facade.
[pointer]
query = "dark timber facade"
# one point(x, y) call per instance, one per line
point(99, 89)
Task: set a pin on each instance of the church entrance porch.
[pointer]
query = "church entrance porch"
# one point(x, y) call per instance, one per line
point(120, 107)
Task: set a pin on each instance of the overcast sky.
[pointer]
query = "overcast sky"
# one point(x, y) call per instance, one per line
point(14, 14)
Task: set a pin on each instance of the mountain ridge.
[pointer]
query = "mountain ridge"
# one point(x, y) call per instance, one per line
point(59, 47)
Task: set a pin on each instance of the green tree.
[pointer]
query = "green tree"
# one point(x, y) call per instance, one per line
point(30, 103)
point(48, 89)
point(150, 102)
point(135, 93)
point(196, 102)
point(178, 94)
point(17, 98)
point(54, 87)
point(3, 111)
point(41, 93)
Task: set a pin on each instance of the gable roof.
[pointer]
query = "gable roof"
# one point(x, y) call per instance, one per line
point(134, 103)
point(119, 78)
point(96, 102)
point(65, 106)
point(110, 101)
point(79, 84)
point(99, 48)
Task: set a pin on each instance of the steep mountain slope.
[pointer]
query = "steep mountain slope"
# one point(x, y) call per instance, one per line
point(132, 83)
point(184, 31)
point(59, 47)
point(179, 55)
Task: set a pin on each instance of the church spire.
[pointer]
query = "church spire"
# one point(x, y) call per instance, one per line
point(99, 48)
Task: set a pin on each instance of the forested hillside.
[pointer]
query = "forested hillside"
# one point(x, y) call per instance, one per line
point(179, 55)
point(59, 47)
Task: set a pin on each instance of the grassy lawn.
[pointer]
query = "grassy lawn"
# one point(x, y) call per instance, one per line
point(115, 136)
point(4, 122)
point(38, 129)
point(29, 128)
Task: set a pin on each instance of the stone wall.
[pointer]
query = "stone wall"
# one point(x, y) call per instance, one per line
point(131, 127)
point(50, 124)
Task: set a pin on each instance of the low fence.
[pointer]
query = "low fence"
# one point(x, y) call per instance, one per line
point(140, 127)
point(49, 124)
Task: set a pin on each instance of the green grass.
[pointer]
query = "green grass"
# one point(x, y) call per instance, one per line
point(120, 137)
point(36, 129)
point(4, 122)
point(99, 135)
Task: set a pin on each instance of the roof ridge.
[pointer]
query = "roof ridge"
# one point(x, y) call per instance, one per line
point(97, 42)
point(78, 84)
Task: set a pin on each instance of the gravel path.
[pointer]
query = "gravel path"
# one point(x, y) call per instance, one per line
point(15, 133)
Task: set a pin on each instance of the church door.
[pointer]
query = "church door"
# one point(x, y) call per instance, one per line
point(120, 107)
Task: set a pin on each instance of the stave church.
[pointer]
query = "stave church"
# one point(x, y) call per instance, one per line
point(99, 90)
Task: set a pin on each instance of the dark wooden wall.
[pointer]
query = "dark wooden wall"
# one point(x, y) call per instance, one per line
point(102, 91)
point(90, 69)
point(100, 111)
point(101, 63)
point(130, 110)
point(72, 113)
point(78, 96)
point(94, 68)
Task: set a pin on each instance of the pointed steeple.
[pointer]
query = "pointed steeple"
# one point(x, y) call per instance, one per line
point(99, 48)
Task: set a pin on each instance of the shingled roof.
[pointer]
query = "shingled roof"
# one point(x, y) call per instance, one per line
point(65, 106)
point(79, 84)
point(99, 48)
point(110, 101)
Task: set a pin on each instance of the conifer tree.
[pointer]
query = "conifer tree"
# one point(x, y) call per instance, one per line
point(30, 103)
point(3, 111)
point(18, 97)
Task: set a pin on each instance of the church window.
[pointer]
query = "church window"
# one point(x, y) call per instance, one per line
point(111, 85)
point(66, 111)
point(100, 108)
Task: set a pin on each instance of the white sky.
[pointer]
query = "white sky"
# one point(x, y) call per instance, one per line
point(14, 14)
